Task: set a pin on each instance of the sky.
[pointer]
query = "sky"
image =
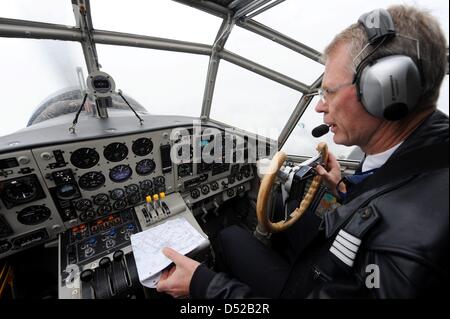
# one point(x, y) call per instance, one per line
point(173, 83)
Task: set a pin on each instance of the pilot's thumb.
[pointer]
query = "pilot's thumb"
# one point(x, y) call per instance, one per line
point(172, 254)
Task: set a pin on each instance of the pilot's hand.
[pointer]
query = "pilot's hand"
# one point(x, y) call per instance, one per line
point(176, 281)
point(331, 177)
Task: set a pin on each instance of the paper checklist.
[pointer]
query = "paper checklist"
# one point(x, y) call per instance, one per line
point(147, 246)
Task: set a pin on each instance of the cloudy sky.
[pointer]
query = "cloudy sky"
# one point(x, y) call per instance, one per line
point(173, 83)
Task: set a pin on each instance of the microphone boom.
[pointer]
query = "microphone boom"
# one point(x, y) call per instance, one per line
point(320, 130)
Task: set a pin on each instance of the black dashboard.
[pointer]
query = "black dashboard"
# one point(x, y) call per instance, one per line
point(91, 190)
point(48, 188)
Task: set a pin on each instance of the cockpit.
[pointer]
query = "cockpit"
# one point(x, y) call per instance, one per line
point(90, 165)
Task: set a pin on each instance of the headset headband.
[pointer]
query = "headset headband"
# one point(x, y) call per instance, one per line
point(378, 25)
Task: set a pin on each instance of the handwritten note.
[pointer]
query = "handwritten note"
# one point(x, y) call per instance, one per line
point(177, 234)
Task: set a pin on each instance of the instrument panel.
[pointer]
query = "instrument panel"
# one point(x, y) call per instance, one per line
point(47, 190)
point(95, 178)
point(28, 216)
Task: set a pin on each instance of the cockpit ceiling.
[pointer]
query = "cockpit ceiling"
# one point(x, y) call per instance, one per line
point(219, 7)
point(230, 4)
point(224, 3)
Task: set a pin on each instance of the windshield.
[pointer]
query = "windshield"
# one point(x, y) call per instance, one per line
point(173, 83)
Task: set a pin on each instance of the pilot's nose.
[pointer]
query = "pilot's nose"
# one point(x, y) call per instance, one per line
point(321, 107)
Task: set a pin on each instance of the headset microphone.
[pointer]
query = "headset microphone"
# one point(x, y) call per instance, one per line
point(320, 130)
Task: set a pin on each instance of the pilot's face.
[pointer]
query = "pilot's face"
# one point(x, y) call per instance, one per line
point(342, 111)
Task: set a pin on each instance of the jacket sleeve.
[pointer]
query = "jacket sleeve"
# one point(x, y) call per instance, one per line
point(206, 283)
point(377, 274)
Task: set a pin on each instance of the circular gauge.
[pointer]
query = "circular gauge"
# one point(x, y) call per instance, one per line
point(83, 204)
point(159, 181)
point(91, 180)
point(131, 189)
point(33, 215)
point(214, 186)
point(120, 173)
point(115, 152)
point(101, 84)
point(19, 192)
point(120, 204)
point(145, 167)
point(146, 185)
point(117, 193)
point(101, 199)
point(205, 189)
point(134, 199)
point(87, 215)
point(103, 210)
point(84, 158)
point(142, 146)
point(195, 193)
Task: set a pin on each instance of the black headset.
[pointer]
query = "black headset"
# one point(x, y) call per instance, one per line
point(388, 87)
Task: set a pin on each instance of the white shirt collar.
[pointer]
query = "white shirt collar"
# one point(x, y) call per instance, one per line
point(377, 160)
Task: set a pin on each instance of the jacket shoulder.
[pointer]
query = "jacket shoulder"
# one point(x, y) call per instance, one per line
point(414, 218)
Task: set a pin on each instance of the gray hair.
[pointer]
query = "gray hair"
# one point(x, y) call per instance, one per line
point(409, 22)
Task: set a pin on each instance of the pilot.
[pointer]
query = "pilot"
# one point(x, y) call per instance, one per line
point(389, 238)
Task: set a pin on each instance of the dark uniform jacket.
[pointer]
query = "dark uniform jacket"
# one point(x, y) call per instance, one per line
point(389, 239)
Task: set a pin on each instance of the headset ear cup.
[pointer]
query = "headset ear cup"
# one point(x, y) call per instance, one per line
point(390, 87)
point(395, 112)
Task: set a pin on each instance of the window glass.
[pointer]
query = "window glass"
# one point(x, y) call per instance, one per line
point(315, 23)
point(158, 18)
point(49, 11)
point(168, 83)
point(251, 102)
point(34, 71)
point(274, 56)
